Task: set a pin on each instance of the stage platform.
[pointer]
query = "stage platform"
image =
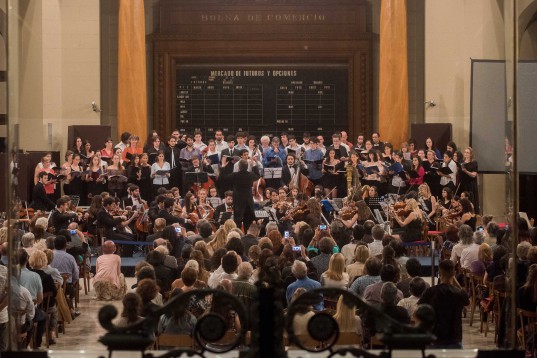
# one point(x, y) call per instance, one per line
point(128, 263)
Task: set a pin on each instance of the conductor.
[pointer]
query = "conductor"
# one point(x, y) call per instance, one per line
point(243, 202)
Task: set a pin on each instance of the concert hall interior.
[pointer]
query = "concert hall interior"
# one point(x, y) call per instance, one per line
point(269, 177)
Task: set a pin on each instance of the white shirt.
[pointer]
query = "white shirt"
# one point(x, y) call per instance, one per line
point(469, 255)
point(221, 146)
point(375, 248)
point(410, 304)
point(444, 180)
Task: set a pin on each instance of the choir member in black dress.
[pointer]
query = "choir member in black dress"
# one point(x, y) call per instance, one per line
point(468, 177)
point(139, 174)
point(95, 178)
point(331, 177)
point(76, 185)
point(431, 177)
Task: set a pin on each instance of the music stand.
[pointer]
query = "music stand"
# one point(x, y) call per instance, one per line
point(272, 173)
point(225, 215)
point(197, 177)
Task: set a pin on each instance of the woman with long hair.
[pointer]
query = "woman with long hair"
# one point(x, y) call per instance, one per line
point(346, 317)
point(416, 174)
point(77, 145)
point(429, 145)
point(468, 176)
point(86, 153)
point(160, 172)
point(527, 294)
point(108, 151)
point(218, 242)
point(424, 193)
point(484, 259)
point(468, 216)
point(335, 276)
point(95, 179)
point(431, 177)
point(116, 173)
point(76, 184)
point(132, 149)
point(412, 224)
point(330, 178)
point(356, 269)
point(132, 306)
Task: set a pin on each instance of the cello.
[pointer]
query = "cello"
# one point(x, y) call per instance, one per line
point(303, 184)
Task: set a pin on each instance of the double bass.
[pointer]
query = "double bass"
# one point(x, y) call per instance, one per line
point(301, 182)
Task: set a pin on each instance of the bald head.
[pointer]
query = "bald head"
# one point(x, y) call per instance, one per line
point(109, 247)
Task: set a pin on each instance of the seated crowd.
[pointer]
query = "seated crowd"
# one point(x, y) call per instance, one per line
point(186, 251)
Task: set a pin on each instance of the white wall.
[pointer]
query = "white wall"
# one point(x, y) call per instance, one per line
point(58, 66)
point(455, 32)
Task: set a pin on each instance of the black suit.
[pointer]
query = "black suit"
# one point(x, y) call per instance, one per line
point(236, 152)
point(218, 211)
point(109, 223)
point(286, 173)
point(243, 201)
point(176, 172)
point(170, 219)
point(40, 200)
point(60, 221)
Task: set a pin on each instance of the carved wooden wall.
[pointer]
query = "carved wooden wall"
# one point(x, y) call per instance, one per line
point(267, 32)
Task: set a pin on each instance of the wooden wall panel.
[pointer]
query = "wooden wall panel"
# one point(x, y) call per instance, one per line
point(264, 32)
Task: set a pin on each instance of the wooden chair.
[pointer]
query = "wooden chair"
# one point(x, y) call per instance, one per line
point(84, 273)
point(475, 284)
point(174, 340)
point(499, 301)
point(528, 329)
point(306, 340)
point(45, 305)
point(349, 339)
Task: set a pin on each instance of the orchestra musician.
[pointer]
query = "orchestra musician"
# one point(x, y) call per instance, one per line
point(45, 166)
point(424, 193)
point(411, 224)
point(40, 200)
point(226, 206)
point(292, 169)
point(468, 216)
point(60, 217)
point(166, 212)
point(109, 219)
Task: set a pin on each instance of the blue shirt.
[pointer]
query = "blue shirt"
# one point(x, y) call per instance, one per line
point(308, 284)
point(65, 263)
point(281, 157)
point(314, 169)
point(359, 285)
point(31, 281)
